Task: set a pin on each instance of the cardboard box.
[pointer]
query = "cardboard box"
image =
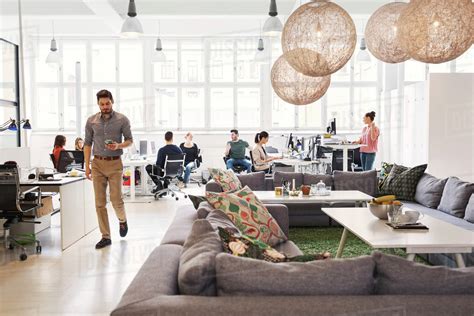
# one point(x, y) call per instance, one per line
point(47, 207)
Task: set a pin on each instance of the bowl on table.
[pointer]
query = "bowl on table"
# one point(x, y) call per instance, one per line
point(379, 210)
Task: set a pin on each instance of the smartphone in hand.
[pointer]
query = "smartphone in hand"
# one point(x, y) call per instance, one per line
point(109, 142)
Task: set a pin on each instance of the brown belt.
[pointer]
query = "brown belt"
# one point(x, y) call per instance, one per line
point(106, 157)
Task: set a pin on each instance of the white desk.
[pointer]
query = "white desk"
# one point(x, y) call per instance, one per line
point(441, 237)
point(77, 205)
point(142, 164)
point(345, 152)
point(355, 197)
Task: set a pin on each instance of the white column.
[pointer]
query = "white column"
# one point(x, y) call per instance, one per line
point(78, 99)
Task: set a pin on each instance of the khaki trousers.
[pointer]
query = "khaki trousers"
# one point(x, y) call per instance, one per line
point(108, 172)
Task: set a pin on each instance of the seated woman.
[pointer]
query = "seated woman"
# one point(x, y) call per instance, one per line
point(192, 154)
point(59, 143)
point(261, 160)
point(79, 144)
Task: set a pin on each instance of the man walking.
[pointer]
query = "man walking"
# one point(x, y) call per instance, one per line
point(105, 131)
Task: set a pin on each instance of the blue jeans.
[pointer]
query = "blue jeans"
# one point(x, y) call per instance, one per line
point(367, 160)
point(231, 162)
point(187, 171)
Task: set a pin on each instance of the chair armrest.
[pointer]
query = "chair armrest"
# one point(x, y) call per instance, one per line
point(280, 214)
point(213, 186)
point(30, 190)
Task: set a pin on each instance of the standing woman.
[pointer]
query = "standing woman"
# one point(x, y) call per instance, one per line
point(59, 143)
point(192, 154)
point(369, 138)
point(260, 158)
point(79, 144)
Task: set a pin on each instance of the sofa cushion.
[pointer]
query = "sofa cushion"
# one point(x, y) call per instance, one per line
point(384, 172)
point(254, 180)
point(361, 181)
point(217, 218)
point(429, 190)
point(180, 227)
point(197, 274)
point(455, 197)
point(398, 276)
point(469, 215)
point(249, 215)
point(309, 179)
point(404, 184)
point(395, 171)
point(225, 178)
point(204, 209)
point(280, 176)
point(249, 277)
point(196, 200)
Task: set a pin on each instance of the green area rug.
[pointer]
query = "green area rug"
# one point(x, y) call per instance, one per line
point(313, 240)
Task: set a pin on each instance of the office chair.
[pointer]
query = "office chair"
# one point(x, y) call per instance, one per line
point(51, 156)
point(236, 168)
point(197, 164)
point(356, 165)
point(14, 206)
point(338, 159)
point(173, 171)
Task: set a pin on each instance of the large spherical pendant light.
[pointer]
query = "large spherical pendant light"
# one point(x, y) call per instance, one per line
point(436, 31)
point(382, 34)
point(319, 38)
point(294, 87)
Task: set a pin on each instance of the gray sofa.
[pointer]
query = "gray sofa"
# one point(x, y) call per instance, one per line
point(155, 288)
point(308, 214)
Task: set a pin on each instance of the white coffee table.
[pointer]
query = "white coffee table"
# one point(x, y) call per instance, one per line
point(356, 197)
point(442, 237)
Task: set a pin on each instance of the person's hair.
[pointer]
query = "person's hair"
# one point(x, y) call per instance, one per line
point(234, 131)
point(168, 136)
point(259, 136)
point(187, 134)
point(105, 94)
point(371, 115)
point(59, 140)
point(76, 143)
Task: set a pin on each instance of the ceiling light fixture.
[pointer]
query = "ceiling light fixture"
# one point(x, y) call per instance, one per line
point(273, 25)
point(158, 55)
point(53, 57)
point(131, 28)
point(261, 56)
point(363, 55)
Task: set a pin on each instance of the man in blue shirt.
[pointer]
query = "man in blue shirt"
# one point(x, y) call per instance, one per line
point(154, 171)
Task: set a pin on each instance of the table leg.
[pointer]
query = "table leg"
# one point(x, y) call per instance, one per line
point(411, 256)
point(344, 159)
point(342, 243)
point(132, 183)
point(459, 260)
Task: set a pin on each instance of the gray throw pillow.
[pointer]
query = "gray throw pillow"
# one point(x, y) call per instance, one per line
point(361, 181)
point(403, 183)
point(197, 264)
point(456, 194)
point(281, 176)
point(238, 276)
point(469, 215)
point(218, 218)
point(204, 209)
point(309, 179)
point(398, 276)
point(429, 190)
point(255, 180)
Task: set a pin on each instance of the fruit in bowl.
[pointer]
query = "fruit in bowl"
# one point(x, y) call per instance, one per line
point(294, 192)
point(380, 206)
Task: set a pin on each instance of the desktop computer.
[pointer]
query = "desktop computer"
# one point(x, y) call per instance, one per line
point(143, 148)
point(153, 147)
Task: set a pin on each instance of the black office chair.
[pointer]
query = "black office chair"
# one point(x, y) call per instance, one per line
point(14, 206)
point(51, 156)
point(236, 168)
point(197, 164)
point(173, 172)
point(356, 163)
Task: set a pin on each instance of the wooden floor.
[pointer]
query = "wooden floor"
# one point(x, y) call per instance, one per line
point(82, 280)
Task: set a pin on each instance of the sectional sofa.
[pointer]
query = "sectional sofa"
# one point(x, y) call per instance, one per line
point(370, 285)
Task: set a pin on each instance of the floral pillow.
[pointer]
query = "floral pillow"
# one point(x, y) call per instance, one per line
point(245, 246)
point(226, 179)
point(249, 215)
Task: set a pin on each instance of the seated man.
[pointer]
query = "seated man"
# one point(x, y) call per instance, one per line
point(157, 170)
point(235, 150)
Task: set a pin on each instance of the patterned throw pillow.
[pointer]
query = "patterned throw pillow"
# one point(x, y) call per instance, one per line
point(226, 179)
point(249, 215)
point(384, 172)
point(395, 171)
point(245, 246)
point(403, 183)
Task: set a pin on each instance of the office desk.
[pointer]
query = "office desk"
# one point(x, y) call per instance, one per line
point(78, 215)
point(345, 152)
point(144, 176)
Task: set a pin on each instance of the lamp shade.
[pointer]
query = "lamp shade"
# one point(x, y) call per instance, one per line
point(53, 55)
point(27, 124)
point(382, 34)
point(436, 31)
point(272, 26)
point(131, 27)
point(294, 87)
point(319, 38)
point(12, 126)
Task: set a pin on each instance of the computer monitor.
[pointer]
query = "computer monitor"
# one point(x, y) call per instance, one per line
point(290, 143)
point(333, 126)
point(143, 147)
point(70, 159)
point(153, 147)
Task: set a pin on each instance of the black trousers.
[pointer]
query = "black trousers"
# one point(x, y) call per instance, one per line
point(155, 172)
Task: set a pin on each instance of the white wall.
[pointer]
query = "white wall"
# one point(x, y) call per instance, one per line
point(451, 123)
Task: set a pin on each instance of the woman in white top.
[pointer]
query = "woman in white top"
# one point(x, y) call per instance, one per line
point(261, 160)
